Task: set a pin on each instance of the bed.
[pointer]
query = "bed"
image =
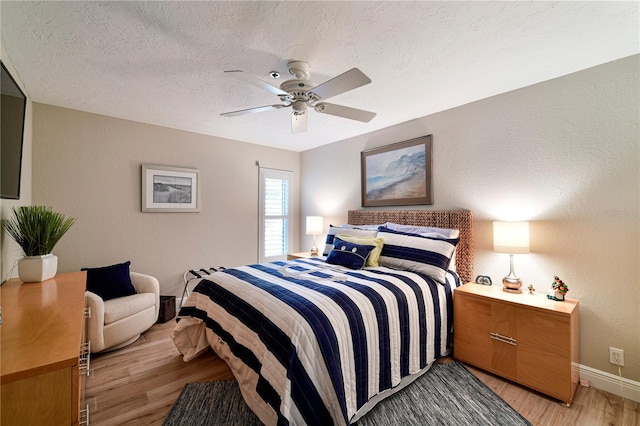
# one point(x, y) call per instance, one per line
point(313, 342)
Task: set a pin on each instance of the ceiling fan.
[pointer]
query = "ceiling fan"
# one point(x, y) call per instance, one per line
point(300, 93)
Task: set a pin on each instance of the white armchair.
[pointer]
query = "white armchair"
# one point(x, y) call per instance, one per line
point(119, 322)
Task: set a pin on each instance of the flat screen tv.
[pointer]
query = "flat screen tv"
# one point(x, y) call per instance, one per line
point(13, 104)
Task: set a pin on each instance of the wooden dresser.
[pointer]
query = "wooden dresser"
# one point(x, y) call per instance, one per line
point(526, 338)
point(42, 346)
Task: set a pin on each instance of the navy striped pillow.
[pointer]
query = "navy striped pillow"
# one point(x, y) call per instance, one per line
point(417, 253)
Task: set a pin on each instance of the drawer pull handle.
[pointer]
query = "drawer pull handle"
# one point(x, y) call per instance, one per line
point(504, 339)
point(84, 363)
point(84, 416)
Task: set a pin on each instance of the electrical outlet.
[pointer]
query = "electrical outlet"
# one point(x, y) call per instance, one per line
point(616, 356)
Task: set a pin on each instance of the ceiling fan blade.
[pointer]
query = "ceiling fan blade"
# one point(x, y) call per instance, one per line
point(298, 122)
point(252, 110)
point(256, 82)
point(349, 80)
point(346, 112)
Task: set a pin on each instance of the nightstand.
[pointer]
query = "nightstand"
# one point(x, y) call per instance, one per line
point(300, 255)
point(526, 338)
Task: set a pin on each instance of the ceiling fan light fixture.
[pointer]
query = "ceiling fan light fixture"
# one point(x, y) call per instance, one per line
point(299, 108)
point(298, 122)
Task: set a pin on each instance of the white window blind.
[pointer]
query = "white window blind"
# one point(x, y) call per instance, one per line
point(275, 189)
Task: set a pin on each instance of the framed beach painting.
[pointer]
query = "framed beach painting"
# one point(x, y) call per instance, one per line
point(397, 174)
point(170, 189)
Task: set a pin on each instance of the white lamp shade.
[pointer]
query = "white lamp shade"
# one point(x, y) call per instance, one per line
point(315, 225)
point(511, 237)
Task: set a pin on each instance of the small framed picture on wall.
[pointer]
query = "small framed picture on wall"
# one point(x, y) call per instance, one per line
point(170, 189)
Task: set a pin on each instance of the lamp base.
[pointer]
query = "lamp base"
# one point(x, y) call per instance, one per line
point(512, 284)
point(313, 251)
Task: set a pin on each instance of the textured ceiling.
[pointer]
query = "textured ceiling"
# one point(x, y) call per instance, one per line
point(163, 62)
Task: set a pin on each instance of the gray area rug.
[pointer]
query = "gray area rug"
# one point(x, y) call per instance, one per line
point(448, 394)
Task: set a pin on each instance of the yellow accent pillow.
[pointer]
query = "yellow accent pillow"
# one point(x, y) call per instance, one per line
point(377, 242)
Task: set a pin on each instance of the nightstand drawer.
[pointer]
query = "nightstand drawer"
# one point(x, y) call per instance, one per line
point(551, 333)
point(545, 372)
point(472, 346)
point(473, 312)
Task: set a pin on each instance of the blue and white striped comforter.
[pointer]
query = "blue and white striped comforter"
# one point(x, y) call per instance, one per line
point(311, 343)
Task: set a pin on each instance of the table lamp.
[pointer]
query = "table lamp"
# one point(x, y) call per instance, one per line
point(511, 238)
point(315, 226)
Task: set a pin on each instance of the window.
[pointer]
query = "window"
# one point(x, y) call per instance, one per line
point(275, 220)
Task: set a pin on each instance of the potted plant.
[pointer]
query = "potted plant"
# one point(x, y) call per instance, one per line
point(36, 229)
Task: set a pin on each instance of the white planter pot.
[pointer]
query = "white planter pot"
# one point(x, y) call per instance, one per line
point(35, 269)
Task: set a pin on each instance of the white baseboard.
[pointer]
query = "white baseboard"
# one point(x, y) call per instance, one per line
point(611, 383)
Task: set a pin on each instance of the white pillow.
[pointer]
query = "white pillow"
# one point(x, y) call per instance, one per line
point(367, 227)
point(416, 253)
point(429, 231)
point(425, 231)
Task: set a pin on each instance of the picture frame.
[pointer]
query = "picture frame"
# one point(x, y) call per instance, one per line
point(398, 174)
point(170, 189)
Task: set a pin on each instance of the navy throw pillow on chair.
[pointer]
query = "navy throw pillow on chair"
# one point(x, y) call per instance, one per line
point(110, 282)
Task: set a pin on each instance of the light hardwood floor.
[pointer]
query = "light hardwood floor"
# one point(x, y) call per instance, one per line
point(137, 385)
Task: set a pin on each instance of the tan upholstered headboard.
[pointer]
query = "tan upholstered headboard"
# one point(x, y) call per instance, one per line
point(458, 219)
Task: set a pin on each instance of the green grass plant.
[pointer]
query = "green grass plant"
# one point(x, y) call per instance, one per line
point(36, 229)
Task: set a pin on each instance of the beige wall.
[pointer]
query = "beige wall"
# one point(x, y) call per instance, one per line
point(563, 154)
point(11, 252)
point(88, 166)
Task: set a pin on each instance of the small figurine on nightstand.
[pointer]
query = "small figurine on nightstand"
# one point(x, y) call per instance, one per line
point(532, 290)
point(558, 289)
